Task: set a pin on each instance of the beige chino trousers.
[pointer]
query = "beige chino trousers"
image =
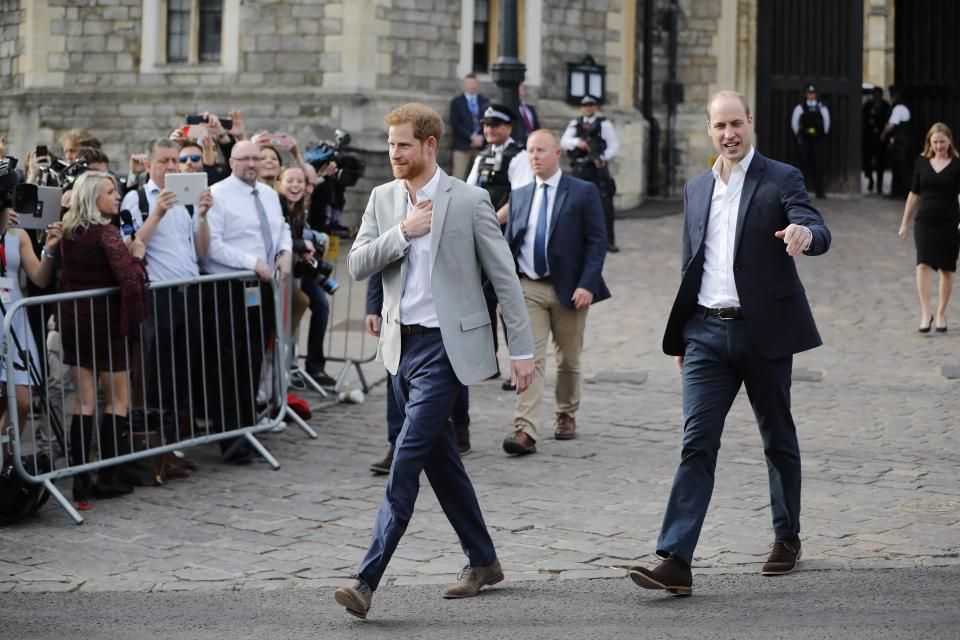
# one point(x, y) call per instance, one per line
point(549, 316)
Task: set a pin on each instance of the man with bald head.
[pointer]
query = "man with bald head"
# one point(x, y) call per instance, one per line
point(247, 233)
point(556, 233)
point(738, 318)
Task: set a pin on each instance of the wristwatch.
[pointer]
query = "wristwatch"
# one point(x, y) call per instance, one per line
point(45, 254)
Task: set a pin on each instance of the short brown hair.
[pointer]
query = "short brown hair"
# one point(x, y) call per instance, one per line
point(79, 138)
point(938, 127)
point(91, 155)
point(426, 122)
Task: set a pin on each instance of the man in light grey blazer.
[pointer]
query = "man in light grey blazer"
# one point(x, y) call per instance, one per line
point(430, 236)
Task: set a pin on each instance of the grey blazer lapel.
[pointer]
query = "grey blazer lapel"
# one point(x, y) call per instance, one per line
point(441, 200)
point(399, 214)
point(562, 189)
point(750, 182)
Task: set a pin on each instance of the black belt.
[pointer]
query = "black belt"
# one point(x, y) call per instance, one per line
point(526, 277)
point(724, 313)
point(416, 329)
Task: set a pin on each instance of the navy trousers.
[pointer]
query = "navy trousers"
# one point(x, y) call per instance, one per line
point(718, 359)
point(427, 388)
point(460, 418)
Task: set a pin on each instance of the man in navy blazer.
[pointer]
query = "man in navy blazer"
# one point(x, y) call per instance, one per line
point(738, 318)
point(556, 233)
point(466, 110)
point(529, 121)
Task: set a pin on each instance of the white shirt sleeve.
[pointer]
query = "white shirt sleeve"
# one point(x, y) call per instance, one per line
point(826, 118)
point(795, 120)
point(569, 139)
point(899, 114)
point(609, 136)
point(520, 173)
point(474, 176)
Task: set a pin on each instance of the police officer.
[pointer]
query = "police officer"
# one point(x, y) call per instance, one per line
point(591, 142)
point(502, 165)
point(811, 125)
point(897, 134)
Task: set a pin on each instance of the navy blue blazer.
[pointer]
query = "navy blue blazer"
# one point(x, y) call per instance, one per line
point(461, 120)
point(775, 308)
point(577, 241)
point(375, 294)
point(522, 126)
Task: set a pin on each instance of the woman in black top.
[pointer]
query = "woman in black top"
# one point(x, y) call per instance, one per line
point(934, 198)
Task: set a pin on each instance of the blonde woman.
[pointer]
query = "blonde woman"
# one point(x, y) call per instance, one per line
point(95, 335)
point(933, 199)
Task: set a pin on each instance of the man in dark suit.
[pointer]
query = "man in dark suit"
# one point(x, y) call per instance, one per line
point(529, 122)
point(738, 318)
point(556, 233)
point(466, 110)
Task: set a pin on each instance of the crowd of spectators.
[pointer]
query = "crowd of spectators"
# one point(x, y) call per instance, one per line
point(139, 348)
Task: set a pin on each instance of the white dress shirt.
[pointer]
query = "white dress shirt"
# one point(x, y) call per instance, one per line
point(525, 259)
point(171, 251)
point(798, 111)
point(718, 289)
point(519, 172)
point(416, 303)
point(569, 140)
point(236, 237)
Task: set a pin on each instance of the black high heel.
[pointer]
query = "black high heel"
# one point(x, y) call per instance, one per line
point(926, 329)
point(942, 329)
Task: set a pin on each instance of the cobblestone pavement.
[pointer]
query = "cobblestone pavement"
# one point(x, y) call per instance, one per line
point(879, 429)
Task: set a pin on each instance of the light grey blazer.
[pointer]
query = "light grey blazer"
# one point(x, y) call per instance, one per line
point(464, 238)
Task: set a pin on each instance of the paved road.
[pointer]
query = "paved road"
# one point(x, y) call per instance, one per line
point(869, 604)
point(879, 428)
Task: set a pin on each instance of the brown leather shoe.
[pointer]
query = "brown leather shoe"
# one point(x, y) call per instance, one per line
point(472, 579)
point(519, 444)
point(783, 558)
point(382, 467)
point(463, 440)
point(355, 597)
point(670, 574)
point(565, 427)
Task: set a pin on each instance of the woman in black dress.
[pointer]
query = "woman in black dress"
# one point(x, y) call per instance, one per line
point(934, 198)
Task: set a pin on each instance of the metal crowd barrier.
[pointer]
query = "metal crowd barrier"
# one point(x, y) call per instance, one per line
point(189, 371)
point(347, 338)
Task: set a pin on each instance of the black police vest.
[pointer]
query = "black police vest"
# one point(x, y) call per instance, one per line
point(593, 135)
point(811, 120)
point(494, 171)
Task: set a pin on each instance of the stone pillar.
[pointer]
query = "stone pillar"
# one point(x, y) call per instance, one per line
point(44, 55)
point(878, 42)
point(358, 44)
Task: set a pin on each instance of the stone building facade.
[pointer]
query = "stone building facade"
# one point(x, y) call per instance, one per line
point(303, 66)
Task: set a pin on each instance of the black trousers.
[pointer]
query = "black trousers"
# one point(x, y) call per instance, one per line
point(814, 161)
point(171, 341)
point(235, 342)
point(600, 177)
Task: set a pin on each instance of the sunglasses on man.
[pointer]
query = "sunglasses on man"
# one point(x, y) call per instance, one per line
point(195, 157)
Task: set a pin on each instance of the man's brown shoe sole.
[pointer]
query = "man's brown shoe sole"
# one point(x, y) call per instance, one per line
point(645, 581)
point(563, 435)
point(494, 580)
point(354, 606)
point(784, 571)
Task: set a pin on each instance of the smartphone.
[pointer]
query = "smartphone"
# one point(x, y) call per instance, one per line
point(42, 150)
point(196, 119)
point(226, 123)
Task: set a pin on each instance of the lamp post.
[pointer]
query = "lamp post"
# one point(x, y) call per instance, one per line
point(508, 72)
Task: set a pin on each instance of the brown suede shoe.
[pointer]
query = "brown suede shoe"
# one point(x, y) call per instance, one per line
point(670, 574)
point(463, 441)
point(472, 579)
point(355, 597)
point(783, 558)
point(519, 444)
point(565, 427)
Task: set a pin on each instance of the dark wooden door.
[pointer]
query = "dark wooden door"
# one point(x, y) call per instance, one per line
point(818, 41)
point(926, 63)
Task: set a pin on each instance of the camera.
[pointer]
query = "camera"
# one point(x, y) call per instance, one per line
point(350, 166)
point(320, 271)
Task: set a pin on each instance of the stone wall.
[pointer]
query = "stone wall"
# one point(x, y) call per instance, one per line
point(10, 45)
